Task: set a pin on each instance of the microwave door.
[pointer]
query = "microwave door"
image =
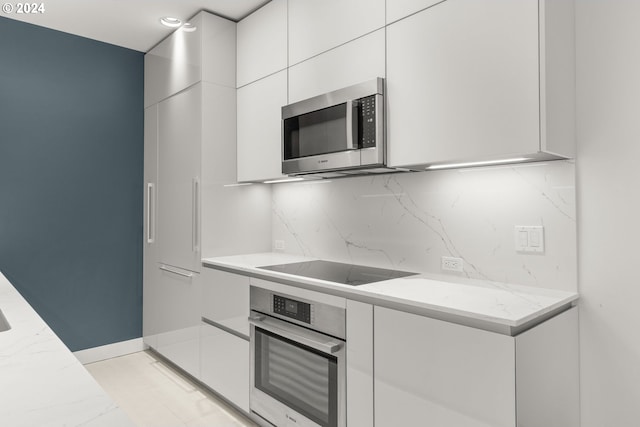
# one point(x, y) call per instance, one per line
point(325, 131)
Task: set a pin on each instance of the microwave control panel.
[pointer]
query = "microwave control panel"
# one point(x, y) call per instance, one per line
point(368, 121)
point(297, 310)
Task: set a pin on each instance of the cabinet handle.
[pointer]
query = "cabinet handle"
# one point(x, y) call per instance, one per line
point(179, 273)
point(195, 238)
point(150, 238)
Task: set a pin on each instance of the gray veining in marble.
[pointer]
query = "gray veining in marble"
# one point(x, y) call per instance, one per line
point(41, 382)
point(410, 220)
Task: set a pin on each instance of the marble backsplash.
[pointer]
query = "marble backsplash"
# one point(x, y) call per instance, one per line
point(409, 221)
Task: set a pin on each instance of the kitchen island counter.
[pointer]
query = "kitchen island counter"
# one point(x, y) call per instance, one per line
point(41, 382)
point(497, 307)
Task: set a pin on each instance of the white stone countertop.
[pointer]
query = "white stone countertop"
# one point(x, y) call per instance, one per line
point(499, 307)
point(41, 382)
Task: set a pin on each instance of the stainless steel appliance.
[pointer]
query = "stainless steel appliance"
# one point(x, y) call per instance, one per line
point(338, 133)
point(297, 370)
point(346, 274)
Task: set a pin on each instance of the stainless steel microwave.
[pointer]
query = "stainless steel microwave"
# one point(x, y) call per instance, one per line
point(341, 131)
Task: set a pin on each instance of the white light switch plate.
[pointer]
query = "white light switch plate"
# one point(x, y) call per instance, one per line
point(529, 238)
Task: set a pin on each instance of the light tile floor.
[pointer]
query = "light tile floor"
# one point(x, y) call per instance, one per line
point(153, 394)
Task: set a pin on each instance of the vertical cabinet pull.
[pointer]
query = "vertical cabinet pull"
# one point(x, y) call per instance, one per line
point(196, 214)
point(150, 214)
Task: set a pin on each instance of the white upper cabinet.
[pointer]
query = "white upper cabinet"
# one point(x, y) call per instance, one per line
point(262, 42)
point(180, 61)
point(481, 81)
point(259, 128)
point(218, 49)
point(316, 26)
point(173, 65)
point(354, 62)
point(400, 9)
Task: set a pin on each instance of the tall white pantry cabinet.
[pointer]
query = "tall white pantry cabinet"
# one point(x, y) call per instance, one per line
point(192, 209)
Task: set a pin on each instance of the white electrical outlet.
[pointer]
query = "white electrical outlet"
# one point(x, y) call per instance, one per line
point(529, 238)
point(452, 264)
point(279, 245)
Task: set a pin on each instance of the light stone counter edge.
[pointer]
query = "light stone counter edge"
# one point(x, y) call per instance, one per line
point(498, 307)
point(43, 384)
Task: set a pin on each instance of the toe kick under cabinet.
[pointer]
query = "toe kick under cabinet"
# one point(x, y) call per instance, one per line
point(449, 375)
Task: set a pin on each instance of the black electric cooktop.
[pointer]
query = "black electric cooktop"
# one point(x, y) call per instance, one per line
point(347, 274)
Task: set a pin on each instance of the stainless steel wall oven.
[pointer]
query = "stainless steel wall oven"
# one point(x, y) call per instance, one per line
point(298, 352)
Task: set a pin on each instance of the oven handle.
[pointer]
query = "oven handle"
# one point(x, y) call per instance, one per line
point(283, 329)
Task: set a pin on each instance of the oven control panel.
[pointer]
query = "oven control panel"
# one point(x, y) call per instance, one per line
point(298, 310)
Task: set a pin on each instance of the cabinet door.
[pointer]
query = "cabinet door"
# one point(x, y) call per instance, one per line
point(179, 178)
point(430, 372)
point(359, 364)
point(225, 365)
point(262, 42)
point(171, 66)
point(218, 49)
point(176, 298)
point(150, 245)
point(547, 368)
point(352, 63)
point(401, 9)
point(317, 26)
point(462, 82)
point(225, 300)
point(259, 128)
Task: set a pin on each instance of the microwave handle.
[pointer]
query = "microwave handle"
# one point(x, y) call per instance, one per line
point(351, 124)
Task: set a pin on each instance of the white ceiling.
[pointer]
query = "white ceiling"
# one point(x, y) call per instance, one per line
point(134, 24)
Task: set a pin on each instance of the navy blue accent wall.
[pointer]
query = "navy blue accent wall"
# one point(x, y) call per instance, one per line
point(71, 181)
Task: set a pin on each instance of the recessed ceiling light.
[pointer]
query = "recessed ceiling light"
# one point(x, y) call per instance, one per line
point(188, 27)
point(170, 22)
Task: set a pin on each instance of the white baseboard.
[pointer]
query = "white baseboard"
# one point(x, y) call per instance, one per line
point(109, 351)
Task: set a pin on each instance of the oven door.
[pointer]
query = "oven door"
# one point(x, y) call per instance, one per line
point(297, 375)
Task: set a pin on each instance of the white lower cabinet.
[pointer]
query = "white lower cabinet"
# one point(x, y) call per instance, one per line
point(359, 364)
point(176, 317)
point(224, 335)
point(441, 373)
point(225, 364)
point(430, 372)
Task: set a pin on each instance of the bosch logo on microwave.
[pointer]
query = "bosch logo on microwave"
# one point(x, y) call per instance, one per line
point(323, 161)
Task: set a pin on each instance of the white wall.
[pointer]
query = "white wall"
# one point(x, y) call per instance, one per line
point(410, 220)
point(608, 192)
